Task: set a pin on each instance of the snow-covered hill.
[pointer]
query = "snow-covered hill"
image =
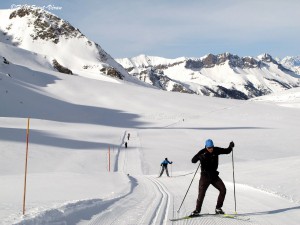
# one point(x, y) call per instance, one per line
point(67, 49)
point(224, 75)
point(288, 98)
point(76, 120)
point(292, 63)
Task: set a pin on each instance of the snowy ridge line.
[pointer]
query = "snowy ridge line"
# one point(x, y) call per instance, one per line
point(164, 205)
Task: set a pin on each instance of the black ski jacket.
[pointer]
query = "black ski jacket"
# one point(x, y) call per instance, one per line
point(210, 161)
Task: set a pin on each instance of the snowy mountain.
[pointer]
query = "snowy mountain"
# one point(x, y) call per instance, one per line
point(292, 63)
point(65, 47)
point(224, 75)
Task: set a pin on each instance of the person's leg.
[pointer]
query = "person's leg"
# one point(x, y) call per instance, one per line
point(167, 171)
point(218, 183)
point(204, 182)
point(162, 171)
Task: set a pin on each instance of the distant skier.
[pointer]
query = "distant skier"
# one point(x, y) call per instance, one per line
point(209, 159)
point(164, 166)
point(125, 144)
point(128, 136)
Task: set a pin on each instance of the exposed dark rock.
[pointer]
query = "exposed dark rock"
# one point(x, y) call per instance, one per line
point(5, 60)
point(212, 60)
point(110, 71)
point(194, 64)
point(223, 92)
point(209, 61)
point(180, 88)
point(285, 86)
point(61, 68)
point(255, 92)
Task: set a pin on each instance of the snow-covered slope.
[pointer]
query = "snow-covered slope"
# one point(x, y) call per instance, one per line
point(288, 98)
point(223, 75)
point(75, 121)
point(69, 50)
point(292, 62)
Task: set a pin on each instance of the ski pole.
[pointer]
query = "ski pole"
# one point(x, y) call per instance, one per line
point(188, 188)
point(233, 183)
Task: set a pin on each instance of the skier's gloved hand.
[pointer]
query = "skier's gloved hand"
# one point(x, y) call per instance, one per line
point(231, 144)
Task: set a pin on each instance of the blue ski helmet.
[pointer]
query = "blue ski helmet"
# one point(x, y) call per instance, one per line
point(209, 143)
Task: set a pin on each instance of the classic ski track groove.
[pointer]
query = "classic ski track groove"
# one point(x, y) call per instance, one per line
point(164, 204)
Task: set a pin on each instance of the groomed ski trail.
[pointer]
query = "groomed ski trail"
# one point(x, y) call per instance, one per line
point(148, 202)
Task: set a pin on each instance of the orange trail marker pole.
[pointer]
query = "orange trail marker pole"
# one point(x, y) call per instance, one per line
point(26, 162)
point(108, 158)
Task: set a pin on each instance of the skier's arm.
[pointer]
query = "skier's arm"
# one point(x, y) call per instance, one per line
point(199, 156)
point(196, 158)
point(226, 150)
point(169, 162)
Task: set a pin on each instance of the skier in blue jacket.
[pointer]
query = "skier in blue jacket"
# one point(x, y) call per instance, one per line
point(164, 166)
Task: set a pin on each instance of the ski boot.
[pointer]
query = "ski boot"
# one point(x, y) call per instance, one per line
point(195, 213)
point(219, 211)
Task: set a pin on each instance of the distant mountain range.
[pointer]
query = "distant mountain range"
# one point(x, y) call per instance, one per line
point(292, 63)
point(69, 51)
point(224, 75)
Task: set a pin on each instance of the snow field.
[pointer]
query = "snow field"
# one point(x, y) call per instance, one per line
point(74, 120)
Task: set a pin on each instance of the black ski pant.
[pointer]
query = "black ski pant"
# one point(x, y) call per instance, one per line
point(163, 168)
point(204, 182)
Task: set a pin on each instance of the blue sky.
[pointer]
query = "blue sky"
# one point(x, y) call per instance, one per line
point(191, 28)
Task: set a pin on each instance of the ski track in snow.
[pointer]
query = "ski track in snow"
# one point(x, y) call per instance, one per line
point(155, 201)
point(149, 201)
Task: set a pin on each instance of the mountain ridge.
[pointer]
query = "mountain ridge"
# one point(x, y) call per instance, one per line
point(42, 32)
point(69, 51)
point(223, 75)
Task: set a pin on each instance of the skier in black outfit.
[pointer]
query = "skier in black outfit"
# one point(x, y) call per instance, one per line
point(164, 166)
point(209, 159)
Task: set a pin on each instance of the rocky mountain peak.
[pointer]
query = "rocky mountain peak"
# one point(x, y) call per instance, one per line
point(267, 58)
point(211, 60)
point(46, 26)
